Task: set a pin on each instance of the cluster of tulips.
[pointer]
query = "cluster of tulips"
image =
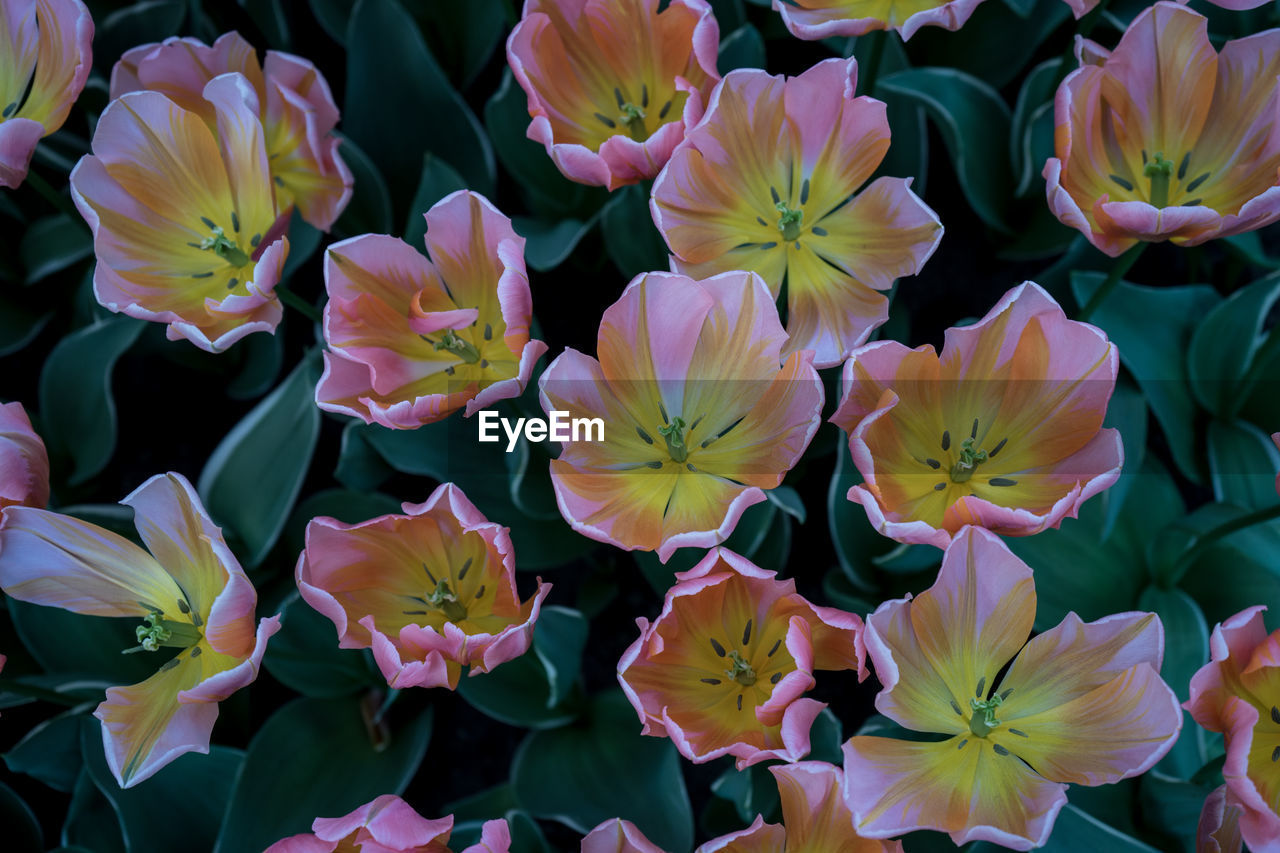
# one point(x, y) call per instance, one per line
point(762, 192)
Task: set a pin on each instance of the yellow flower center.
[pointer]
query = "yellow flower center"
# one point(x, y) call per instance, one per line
point(159, 631)
point(465, 350)
point(789, 221)
point(222, 245)
point(739, 670)
point(674, 435)
point(444, 600)
point(967, 459)
point(1161, 173)
point(984, 719)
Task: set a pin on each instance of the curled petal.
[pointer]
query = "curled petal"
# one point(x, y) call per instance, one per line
point(1219, 828)
point(618, 836)
point(820, 19)
point(24, 462)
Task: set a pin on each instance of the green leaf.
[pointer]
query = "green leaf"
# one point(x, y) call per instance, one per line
point(1033, 110)
point(270, 18)
point(1225, 342)
point(1243, 461)
point(333, 16)
point(531, 489)
point(350, 506)
point(304, 655)
point(1076, 830)
point(66, 642)
point(316, 757)
point(50, 752)
point(630, 238)
point(1076, 570)
point(52, 244)
point(141, 23)
point(304, 239)
point(21, 829)
point(462, 35)
point(180, 808)
point(360, 466)
point(1185, 632)
point(788, 500)
point(856, 542)
point(369, 211)
point(535, 690)
point(1172, 806)
point(742, 48)
point(261, 358)
point(438, 180)
point(547, 192)
point(254, 475)
point(19, 324)
point(1157, 361)
point(76, 403)
point(604, 768)
point(974, 123)
point(1127, 413)
point(998, 42)
point(549, 244)
point(1236, 572)
point(91, 822)
point(398, 102)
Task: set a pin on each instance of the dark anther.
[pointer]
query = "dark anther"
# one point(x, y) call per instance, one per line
point(719, 649)
point(712, 681)
point(466, 567)
point(933, 463)
point(1000, 750)
point(774, 649)
point(998, 448)
point(605, 120)
point(946, 439)
point(1122, 182)
point(1002, 481)
point(746, 633)
point(775, 678)
point(981, 688)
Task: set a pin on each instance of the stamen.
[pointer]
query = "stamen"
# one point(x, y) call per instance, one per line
point(775, 678)
point(933, 463)
point(739, 701)
point(821, 232)
point(222, 245)
point(662, 113)
point(739, 670)
point(969, 460)
point(769, 245)
point(984, 719)
point(446, 602)
point(1122, 182)
point(1275, 715)
point(674, 435)
point(1158, 171)
point(711, 681)
point(1000, 750)
point(962, 743)
point(1182, 167)
point(9, 110)
point(804, 192)
point(605, 120)
point(774, 649)
point(466, 567)
point(998, 448)
point(946, 439)
point(1018, 732)
point(1275, 754)
point(644, 436)
point(746, 633)
point(719, 649)
point(456, 345)
point(789, 221)
point(1191, 187)
point(773, 191)
point(955, 706)
point(633, 117)
point(982, 683)
point(1002, 481)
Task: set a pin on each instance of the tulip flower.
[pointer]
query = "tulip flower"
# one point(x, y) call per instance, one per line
point(296, 109)
point(1081, 703)
point(618, 836)
point(413, 340)
point(1004, 430)
point(723, 668)
point(45, 58)
point(771, 180)
point(389, 825)
point(613, 86)
point(189, 592)
point(1219, 828)
point(185, 225)
point(819, 19)
point(1238, 693)
point(1166, 138)
point(699, 417)
point(24, 463)
point(429, 591)
point(814, 816)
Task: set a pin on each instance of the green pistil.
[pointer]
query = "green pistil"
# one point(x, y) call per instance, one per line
point(674, 434)
point(1158, 170)
point(739, 670)
point(224, 247)
point(446, 602)
point(163, 632)
point(633, 117)
point(984, 719)
point(789, 221)
point(968, 462)
point(456, 345)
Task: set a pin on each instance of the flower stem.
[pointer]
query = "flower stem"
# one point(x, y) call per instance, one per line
point(1206, 540)
point(298, 304)
point(1123, 264)
point(55, 198)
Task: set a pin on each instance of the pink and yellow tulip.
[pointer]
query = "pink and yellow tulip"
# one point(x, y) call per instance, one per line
point(699, 417)
point(1238, 693)
point(1166, 138)
point(296, 108)
point(819, 19)
point(815, 818)
point(389, 825)
point(771, 180)
point(185, 225)
point(405, 347)
point(189, 592)
point(613, 86)
point(45, 58)
point(1081, 704)
point(429, 591)
point(1219, 828)
point(618, 836)
point(24, 463)
point(723, 668)
point(1003, 431)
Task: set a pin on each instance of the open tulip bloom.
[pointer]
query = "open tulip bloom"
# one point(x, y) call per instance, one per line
point(413, 340)
point(819, 19)
point(613, 86)
point(722, 669)
point(771, 180)
point(184, 218)
point(700, 412)
point(189, 592)
point(45, 59)
point(1166, 138)
point(24, 462)
point(1004, 430)
point(1238, 693)
point(1082, 704)
point(389, 825)
point(429, 591)
point(297, 111)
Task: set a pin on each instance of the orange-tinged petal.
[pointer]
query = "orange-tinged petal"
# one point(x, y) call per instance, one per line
point(815, 813)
